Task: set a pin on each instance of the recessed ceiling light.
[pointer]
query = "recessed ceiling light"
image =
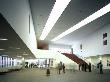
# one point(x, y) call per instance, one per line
point(87, 20)
point(14, 47)
point(25, 54)
point(2, 49)
point(4, 55)
point(17, 48)
point(56, 12)
point(3, 39)
point(19, 56)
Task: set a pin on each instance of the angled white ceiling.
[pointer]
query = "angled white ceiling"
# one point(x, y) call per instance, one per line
point(86, 30)
point(13, 46)
point(76, 11)
point(40, 12)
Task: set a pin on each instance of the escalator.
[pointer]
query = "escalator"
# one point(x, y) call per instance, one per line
point(74, 58)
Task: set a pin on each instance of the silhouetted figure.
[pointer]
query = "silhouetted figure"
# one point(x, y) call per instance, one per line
point(89, 66)
point(101, 67)
point(26, 64)
point(85, 67)
point(48, 72)
point(63, 66)
point(79, 67)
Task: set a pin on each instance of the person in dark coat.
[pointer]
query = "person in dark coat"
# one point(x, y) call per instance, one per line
point(48, 72)
point(63, 66)
point(89, 66)
point(85, 67)
point(82, 67)
point(79, 67)
point(100, 68)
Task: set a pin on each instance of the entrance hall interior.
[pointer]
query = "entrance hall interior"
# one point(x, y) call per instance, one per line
point(54, 40)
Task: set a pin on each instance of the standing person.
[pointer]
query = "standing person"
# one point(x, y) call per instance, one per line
point(98, 70)
point(63, 66)
point(59, 67)
point(89, 67)
point(48, 71)
point(79, 67)
point(101, 67)
point(85, 67)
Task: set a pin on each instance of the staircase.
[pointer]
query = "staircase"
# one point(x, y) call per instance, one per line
point(74, 58)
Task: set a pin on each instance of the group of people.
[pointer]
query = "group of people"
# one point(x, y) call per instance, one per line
point(30, 65)
point(85, 66)
point(61, 67)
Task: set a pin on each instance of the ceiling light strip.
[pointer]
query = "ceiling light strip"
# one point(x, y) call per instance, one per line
point(2, 49)
point(3, 39)
point(56, 12)
point(87, 20)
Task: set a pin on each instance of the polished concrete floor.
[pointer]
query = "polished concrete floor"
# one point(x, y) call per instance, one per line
point(39, 75)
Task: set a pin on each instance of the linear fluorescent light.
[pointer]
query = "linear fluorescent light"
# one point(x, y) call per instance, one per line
point(87, 20)
point(2, 49)
point(56, 12)
point(3, 39)
point(18, 48)
point(25, 54)
point(19, 56)
point(4, 55)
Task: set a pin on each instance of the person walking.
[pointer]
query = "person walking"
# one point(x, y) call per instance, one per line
point(63, 66)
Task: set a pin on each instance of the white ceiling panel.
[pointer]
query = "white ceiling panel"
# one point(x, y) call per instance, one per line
point(76, 11)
